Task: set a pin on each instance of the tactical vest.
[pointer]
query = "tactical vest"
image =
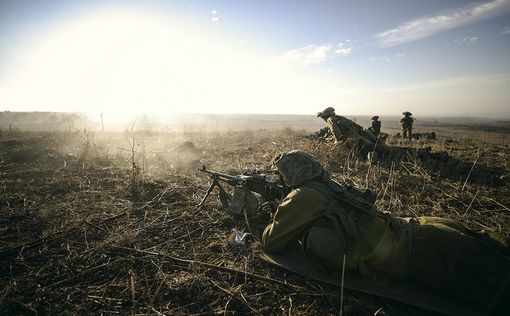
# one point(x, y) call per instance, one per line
point(407, 121)
point(351, 129)
point(376, 126)
point(337, 232)
point(347, 126)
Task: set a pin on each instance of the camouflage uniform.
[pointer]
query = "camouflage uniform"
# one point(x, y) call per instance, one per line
point(407, 125)
point(330, 220)
point(353, 135)
point(376, 126)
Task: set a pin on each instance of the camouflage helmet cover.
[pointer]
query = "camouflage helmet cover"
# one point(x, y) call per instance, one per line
point(407, 113)
point(298, 167)
point(375, 117)
point(327, 112)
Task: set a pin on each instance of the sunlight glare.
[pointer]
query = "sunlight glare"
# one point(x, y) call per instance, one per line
point(127, 63)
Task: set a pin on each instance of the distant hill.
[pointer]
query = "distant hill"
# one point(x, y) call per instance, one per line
point(42, 120)
point(47, 121)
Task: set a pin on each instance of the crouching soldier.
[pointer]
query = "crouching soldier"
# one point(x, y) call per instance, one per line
point(336, 225)
point(347, 132)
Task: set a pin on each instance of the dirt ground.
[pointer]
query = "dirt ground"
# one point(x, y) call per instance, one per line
point(107, 223)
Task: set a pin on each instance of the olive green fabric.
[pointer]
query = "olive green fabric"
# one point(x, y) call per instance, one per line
point(407, 121)
point(325, 246)
point(343, 128)
point(353, 136)
point(407, 132)
point(347, 213)
point(438, 253)
point(299, 208)
point(376, 127)
point(459, 262)
point(306, 214)
point(407, 126)
point(293, 259)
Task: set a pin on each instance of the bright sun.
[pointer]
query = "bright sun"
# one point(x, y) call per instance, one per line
point(126, 63)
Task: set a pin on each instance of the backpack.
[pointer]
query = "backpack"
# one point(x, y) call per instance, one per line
point(337, 232)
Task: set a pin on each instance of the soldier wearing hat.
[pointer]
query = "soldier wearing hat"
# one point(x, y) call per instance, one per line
point(353, 135)
point(341, 127)
point(407, 125)
point(376, 126)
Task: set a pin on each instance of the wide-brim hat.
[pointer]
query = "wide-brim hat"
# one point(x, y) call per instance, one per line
point(326, 112)
point(375, 117)
point(407, 113)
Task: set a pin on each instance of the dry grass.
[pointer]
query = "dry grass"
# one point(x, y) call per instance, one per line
point(106, 222)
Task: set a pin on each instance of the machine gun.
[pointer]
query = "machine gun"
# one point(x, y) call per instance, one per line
point(253, 181)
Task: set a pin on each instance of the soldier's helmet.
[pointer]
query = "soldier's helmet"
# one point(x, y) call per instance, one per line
point(406, 113)
point(327, 112)
point(298, 167)
point(375, 117)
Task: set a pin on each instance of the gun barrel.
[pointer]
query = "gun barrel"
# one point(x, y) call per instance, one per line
point(219, 175)
point(255, 182)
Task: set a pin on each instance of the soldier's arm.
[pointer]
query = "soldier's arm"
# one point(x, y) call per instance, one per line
point(335, 129)
point(297, 211)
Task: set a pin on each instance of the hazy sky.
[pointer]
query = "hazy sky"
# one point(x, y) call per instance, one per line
point(433, 57)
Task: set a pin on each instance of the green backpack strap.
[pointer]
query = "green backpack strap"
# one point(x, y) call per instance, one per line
point(330, 238)
point(344, 224)
point(338, 228)
point(351, 199)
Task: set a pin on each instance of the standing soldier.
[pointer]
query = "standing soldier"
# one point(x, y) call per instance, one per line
point(407, 125)
point(376, 126)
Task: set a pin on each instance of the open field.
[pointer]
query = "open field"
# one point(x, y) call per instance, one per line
point(105, 222)
point(182, 123)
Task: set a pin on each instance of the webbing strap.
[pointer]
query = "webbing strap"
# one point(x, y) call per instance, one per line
point(342, 221)
point(354, 204)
